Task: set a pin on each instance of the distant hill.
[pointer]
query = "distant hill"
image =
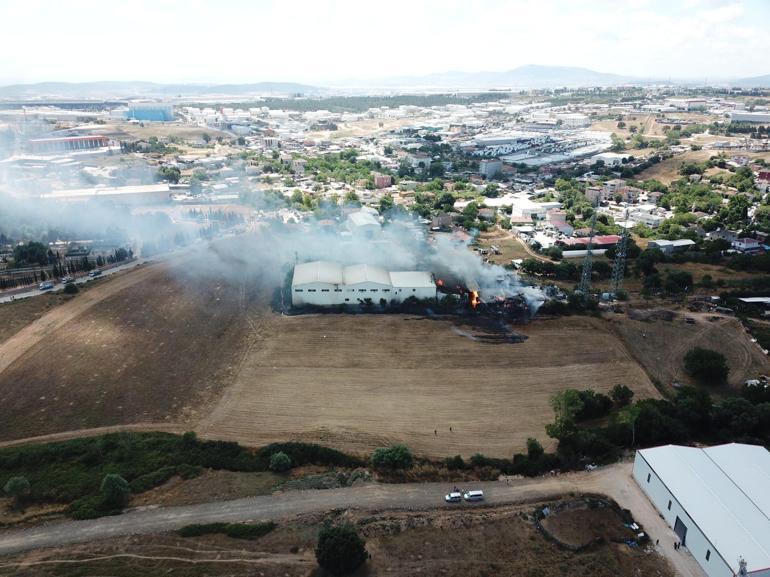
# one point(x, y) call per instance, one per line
point(134, 89)
point(531, 76)
point(753, 81)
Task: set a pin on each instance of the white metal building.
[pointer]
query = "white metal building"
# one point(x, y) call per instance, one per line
point(717, 501)
point(363, 224)
point(322, 283)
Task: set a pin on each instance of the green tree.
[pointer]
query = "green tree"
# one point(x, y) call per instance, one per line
point(18, 488)
point(386, 203)
point(706, 366)
point(340, 549)
point(566, 405)
point(351, 199)
point(280, 462)
point(115, 491)
point(169, 173)
point(71, 289)
point(492, 190)
point(30, 253)
point(206, 137)
point(621, 395)
point(534, 449)
point(393, 458)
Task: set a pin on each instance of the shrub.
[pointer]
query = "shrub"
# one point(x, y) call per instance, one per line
point(18, 488)
point(706, 366)
point(71, 289)
point(534, 449)
point(340, 549)
point(115, 491)
point(232, 530)
point(621, 395)
point(393, 458)
point(455, 463)
point(280, 462)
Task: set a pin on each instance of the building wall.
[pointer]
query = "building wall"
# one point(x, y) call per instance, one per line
point(696, 543)
point(400, 294)
point(320, 294)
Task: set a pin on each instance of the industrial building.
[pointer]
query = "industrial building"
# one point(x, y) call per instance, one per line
point(67, 144)
point(139, 194)
point(757, 117)
point(363, 224)
point(717, 501)
point(322, 283)
point(150, 111)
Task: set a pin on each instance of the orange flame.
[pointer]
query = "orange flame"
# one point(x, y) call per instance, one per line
point(440, 282)
point(474, 299)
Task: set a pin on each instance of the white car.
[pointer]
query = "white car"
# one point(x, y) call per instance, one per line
point(473, 495)
point(453, 497)
point(45, 285)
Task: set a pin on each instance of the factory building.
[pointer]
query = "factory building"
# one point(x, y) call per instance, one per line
point(756, 117)
point(67, 144)
point(322, 283)
point(150, 111)
point(716, 501)
point(363, 224)
point(139, 194)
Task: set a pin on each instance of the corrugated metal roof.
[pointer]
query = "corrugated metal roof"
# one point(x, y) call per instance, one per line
point(363, 219)
point(724, 490)
point(317, 271)
point(412, 279)
point(361, 273)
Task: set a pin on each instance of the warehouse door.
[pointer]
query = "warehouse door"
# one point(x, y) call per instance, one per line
point(681, 530)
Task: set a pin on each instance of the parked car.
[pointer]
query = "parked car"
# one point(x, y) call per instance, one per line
point(95, 273)
point(473, 495)
point(453, 497)
point(68, 279)
point(591, 467)
point(45, 285)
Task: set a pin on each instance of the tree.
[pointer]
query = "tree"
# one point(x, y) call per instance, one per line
point(169, 173)
point(30, 253)
point(706, 366)
point(206, 137)
point(114, 491)
point(386, 203)
point(534, 449)
point(351, 199)
point(71, 289)
point(621, 395)
point(566, 406)
point(492, 190)
point(340, 550)
point(393, 458)
point(18, 488)
point(280, 462)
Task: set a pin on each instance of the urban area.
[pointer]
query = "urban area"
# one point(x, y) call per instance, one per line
point(278, 329)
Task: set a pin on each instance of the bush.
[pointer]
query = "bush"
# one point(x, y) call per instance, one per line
point(455, 463)
point(115, 491)
point(71, 289)
point(280, 462)
point(232, 530)
point(534, 449)
point(621, 395)
point(340, 549)
point(393, 458)
point(18, 488)
point(706, 366)
point(157, 478)
point(309, 454)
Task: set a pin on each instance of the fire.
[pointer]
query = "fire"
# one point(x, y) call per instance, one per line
point(474, 299)
point(439, 282)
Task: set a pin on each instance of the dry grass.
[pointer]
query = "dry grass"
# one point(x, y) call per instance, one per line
point(361, 381)
point(444, 543)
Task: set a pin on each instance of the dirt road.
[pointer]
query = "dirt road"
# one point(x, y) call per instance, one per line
point(614, 481)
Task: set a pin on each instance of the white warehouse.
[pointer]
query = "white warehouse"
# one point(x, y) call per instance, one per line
point(717, 501)
point(322, 283)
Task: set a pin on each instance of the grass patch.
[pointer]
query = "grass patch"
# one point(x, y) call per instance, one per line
point(761, 333)
point(232, 530)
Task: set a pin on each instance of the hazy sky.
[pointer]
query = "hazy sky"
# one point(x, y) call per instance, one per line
point(319, 41)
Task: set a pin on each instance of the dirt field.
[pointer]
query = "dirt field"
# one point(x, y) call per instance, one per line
point(660, 346)
point(18, 314)
point(500, 542)
point(362, 381)
point(667, 170)
point(143, 347)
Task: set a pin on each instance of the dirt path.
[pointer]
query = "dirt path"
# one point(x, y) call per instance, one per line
point(95, 432)
point(26, 338)
point(614, 481)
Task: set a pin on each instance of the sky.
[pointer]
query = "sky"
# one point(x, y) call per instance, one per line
point(325, 41)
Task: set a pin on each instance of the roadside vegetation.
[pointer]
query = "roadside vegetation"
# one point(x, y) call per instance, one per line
point(95, 476)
